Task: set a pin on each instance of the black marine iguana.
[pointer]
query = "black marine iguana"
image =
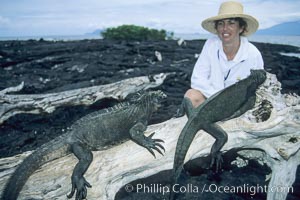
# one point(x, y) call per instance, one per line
point(95, 131)
point(229, 103)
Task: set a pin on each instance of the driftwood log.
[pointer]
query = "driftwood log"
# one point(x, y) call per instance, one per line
point(272, 127)
point(12, 104)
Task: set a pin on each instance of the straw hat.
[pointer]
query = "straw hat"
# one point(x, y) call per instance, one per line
point(231, 9)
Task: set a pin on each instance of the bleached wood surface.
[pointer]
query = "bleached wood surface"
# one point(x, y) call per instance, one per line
point(278, 138)
point(12, 104)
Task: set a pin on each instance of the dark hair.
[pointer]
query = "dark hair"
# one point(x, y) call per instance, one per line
point(242, 23)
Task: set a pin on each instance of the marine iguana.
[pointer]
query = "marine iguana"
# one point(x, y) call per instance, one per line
point(229, 103)
point(95, 131)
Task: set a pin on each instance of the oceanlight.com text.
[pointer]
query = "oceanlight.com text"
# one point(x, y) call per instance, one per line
point(206, 188)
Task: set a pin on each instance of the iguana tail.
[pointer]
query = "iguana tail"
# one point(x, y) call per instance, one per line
point(52, 150)
point(184, 142)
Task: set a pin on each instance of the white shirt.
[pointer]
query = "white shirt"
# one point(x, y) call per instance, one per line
point(213, 72)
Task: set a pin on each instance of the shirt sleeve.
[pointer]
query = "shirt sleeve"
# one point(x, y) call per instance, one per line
point(256, 56)
point(201, 73)
point(259, 61)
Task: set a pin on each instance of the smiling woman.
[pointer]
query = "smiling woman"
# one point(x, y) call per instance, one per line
point(229, 31)
point(226, 58)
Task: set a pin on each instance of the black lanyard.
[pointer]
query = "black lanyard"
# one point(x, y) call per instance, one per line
point(225, 78)
point(218, 54)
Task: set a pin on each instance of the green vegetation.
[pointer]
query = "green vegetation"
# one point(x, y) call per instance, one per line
point(133, 32)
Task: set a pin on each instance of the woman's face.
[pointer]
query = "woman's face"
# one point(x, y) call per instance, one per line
point(228, 30)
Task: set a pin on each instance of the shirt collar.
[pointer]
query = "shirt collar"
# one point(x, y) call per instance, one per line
point(242, 53)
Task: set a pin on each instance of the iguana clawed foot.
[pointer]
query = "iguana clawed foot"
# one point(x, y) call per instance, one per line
point(152, 144)
point(186, 107)
point(216, 160)
point(79, 185)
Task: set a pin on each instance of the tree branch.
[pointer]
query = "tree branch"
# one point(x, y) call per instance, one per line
point(12, 104)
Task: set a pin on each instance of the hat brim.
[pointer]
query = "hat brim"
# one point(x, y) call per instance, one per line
point(252, 23)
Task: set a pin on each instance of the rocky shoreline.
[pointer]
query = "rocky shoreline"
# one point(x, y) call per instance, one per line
point(53, 66)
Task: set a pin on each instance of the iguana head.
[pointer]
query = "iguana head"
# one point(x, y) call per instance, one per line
point(152, 98)
point(157, 97)
point(259, 75)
